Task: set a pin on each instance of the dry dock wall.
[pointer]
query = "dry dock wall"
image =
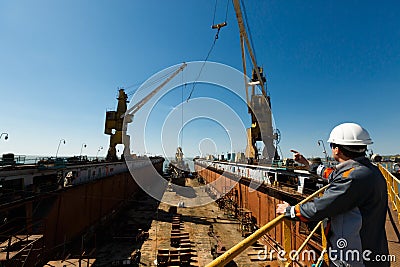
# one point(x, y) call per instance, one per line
point(262, 203)
point(79, 207)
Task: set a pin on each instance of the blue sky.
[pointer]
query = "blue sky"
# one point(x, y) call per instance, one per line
point(326, 62)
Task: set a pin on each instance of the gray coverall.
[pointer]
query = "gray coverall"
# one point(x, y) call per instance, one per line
point(356, 205)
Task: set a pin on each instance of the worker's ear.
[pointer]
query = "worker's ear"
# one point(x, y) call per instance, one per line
point(336, 150)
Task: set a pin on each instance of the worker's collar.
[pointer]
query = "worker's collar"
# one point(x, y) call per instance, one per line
point(350, 163)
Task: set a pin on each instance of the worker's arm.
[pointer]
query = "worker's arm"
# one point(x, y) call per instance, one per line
point(342, 195)
point(298, 157)
point(318, 169)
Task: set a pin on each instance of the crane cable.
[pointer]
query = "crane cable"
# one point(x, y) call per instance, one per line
point(215, 11)
point(183, 89)
point(147, 84)
point(214, 26)
point(202, 66)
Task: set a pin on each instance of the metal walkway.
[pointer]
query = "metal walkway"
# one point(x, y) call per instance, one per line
point(392, 231)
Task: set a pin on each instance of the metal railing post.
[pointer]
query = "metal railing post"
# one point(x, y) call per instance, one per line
point(396, 198)
point(324, 243)
point(393, 188)
point(241, 246)
point(287, 235)
point(296, 255)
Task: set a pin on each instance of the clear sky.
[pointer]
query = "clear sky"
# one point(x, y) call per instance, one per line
point(326, 62)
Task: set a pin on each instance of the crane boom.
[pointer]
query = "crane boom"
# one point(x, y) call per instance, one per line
point(243, 34)
point(142, 102)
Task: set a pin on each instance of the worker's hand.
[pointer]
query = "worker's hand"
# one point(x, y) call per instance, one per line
point(281, 208)
point(300, 158)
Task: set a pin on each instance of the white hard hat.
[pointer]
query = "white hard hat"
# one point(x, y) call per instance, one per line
point(350, 134)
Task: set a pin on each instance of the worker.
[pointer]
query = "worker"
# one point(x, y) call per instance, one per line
point(355, 203)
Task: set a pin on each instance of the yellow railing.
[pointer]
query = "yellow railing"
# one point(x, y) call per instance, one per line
point(393, 188)
point(244, 244)
point(300, 249)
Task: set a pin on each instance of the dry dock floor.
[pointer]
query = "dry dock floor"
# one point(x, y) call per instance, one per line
point(196, 222)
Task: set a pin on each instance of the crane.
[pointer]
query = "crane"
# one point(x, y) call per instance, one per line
point(117, 121)
point(259, 105)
